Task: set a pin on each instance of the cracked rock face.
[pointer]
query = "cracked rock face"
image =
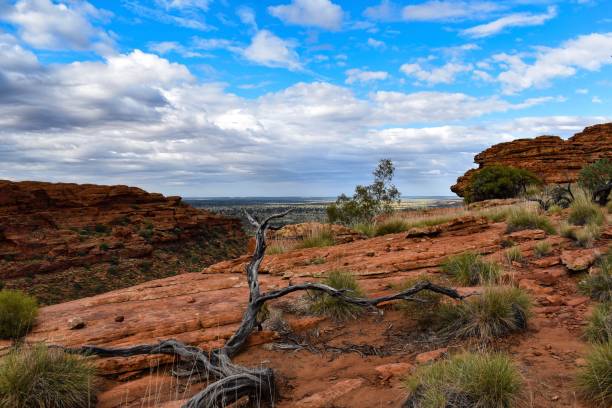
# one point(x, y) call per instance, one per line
point(551, 158)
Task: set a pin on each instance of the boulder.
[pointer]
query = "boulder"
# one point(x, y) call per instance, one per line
point(579, 260)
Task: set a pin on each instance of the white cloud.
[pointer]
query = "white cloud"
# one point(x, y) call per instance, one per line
point(445, 74)
point(582, 91)
point(589, 52)
point(376, 43)
point(448, 10)
point(596, 99)
point(184, 4)
point(247, 16)
point(358, 75)
point(385, 11)
point(58, 26)
point(272, 51)
point(310, 13)
point(511, 20)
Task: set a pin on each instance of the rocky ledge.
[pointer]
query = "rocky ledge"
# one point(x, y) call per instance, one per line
point(551, 158)
point(65, 241)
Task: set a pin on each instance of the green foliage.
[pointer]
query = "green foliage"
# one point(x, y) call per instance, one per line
point(499, 181)
point(583, 212)
point(524, 219)
point(595, 380)
point(479, 380)
point(40, 377)
point(391, 226)
point(495, 214)
point(514, 254)
point(497, 312)
point(597, 178)
point(334, 307)
point(366, 228)
point(587, 235)
point(18, 312)
point(470, 269)
point(599, 285)
point(104, 247)
point(554, 209)
point(368, 201)
point(599, 327)
point(318, 238)
point(542, 249)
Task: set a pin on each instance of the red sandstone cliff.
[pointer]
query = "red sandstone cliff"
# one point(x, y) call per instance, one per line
point(551, 158)
point(64, 241)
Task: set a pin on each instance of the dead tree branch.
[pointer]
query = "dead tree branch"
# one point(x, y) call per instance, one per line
point(228, 382)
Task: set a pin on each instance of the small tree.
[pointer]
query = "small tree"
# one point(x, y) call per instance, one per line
point(499, 181)
point(368, 201)
point(597, 178)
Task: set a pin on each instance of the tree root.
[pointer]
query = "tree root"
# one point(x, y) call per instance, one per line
point(231, 382)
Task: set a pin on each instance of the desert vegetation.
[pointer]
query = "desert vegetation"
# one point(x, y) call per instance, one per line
point(499, 181)
point(524, 219)
point(335, 307)
point(18, 312)
point(471, 269)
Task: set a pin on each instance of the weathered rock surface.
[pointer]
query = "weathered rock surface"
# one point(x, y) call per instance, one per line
point(64, 241)
point(460, 226)
point(551, 158)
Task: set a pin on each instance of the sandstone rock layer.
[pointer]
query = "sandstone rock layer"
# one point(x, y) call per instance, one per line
point(551, 158)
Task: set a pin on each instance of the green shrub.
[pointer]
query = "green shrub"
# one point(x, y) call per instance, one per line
point(514, 254)
point(40, 377)
point(499, 181)
point(587, 235)
point(597, 178)
point(466, 380)
point(317, 238)
point(495, 214)
point(18, 312)
point(335, 307)
point(497, 312)
point(583, 212)
point(470, 268)
point(104, 247)
point(555, 209)
point(595, 380)
point(599, 285)
point(523, 219)
point(542, 249)
point(599, 327)
point(368, 201)
point(391, 226)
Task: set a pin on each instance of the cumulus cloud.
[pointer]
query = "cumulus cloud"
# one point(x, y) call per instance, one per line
point(310, 13)
point(184, 4)
point(58, 26)
point(445, 74)
point(374, 43)
point(511, 20)
point(587, 52)
point(272, 51)
point(448, 10)
point(358, 75)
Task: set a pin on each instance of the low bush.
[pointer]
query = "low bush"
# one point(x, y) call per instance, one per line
point(599, 327)
point(595, 379)
point(555, 209)
point(587, 235)
point(470, 268)
point(41, 377)
point(497, 312)
point(524, 219)
point(542, 249)
point(597, 178)
point(317, 238)
point(514, 254)
point(401, 223)
point(335, 307)
point(366, 228)
point(466, 380)
point(18, 312)
point(499, 181)
point(583, 212)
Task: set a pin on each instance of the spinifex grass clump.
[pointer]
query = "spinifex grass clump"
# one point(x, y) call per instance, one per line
point(17, 313)
point(470, 268)
point(542, 249)
point(599, 285)
point(599, 327)
point(40, 377)
point(524, 219)
point(317, 238)
point(595, 380)
point(335, 307)
point(466, 380)
point(514, 254)
point(583, 212)
point(391, 226)
point(497, 312)
point(427, 302)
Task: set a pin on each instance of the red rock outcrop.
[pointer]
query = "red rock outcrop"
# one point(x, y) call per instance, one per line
point(64, 241)
point(551, 158)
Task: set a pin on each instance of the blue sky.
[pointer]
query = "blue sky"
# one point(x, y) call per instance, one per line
point(290, 97)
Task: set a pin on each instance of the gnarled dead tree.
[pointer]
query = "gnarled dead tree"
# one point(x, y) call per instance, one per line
point(228, 382)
